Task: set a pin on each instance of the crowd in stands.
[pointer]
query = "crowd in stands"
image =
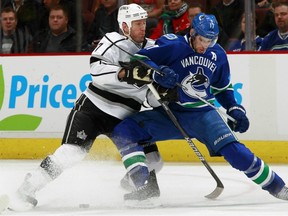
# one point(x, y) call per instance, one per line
point(41, 26)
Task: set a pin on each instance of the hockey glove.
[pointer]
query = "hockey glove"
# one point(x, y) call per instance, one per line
point(136, 73)
point(169, 95)
point(239, 114)
point(167, 79)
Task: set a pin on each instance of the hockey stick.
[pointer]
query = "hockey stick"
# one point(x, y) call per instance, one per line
point(178, 84)
point(220, 187)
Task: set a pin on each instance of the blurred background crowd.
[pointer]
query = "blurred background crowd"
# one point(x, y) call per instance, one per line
point(41, 26)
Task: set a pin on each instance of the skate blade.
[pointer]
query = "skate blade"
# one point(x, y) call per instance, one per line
point(4, 202)
point(148, 203)
point(19, 205)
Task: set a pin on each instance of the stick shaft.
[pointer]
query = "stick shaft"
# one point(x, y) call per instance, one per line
point(189, 141)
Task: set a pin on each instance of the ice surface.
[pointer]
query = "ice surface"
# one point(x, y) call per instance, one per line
point(183, 187)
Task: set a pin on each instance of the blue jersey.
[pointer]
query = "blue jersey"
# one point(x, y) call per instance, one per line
point(202, 74)
point(240, 45)
point(274, 41)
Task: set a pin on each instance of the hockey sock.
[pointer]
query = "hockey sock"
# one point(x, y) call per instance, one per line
point(64, 157)
point(139, 175)
point(243, 159)
point(260, 173)
point(134, 161)
point(52, 169)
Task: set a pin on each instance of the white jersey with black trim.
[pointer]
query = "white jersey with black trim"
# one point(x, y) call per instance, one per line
point(115, 98)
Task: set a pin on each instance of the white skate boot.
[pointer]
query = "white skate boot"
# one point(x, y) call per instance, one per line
point(4, 201)
point(24, 198)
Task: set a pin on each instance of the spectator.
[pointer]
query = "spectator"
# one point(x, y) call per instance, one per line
point(27, 13)
point(154, 9)
point(278, 38)
point(105, 21)
point(13, 38)
point(70, 7)
point(174, 20)
point(268, 24)
point(89, 8)
point(262, 3)
point(228, 14)
point(59, 37)
point(240, 44)
point(3, 3)
point(194, 9)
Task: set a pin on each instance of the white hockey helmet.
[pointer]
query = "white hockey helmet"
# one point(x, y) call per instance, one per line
point(129, 13)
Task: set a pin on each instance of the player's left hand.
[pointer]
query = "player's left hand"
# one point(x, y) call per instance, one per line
point(136, 73)
point(167, 79)
point(239, 114)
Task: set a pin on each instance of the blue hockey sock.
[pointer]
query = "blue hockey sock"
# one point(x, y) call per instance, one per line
point(133, 158)
point(260, 173)
point(139, 175)
point(243, 159)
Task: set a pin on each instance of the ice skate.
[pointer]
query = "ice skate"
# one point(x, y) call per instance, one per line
point(21, 202)
point(24, 198)
point(282, 194)
point(146, 196)
point(4, 201)
point(126, 183)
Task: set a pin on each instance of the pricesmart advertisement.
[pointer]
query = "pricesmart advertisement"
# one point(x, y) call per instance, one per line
point(37, 93)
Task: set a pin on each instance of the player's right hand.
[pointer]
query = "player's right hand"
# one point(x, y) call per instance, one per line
point(167, 78)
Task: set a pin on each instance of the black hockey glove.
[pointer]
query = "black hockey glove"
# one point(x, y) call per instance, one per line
point(239, 114)
point(136, 73)
point(169, 95)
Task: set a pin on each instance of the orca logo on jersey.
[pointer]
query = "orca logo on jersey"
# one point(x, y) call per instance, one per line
point(196, 83)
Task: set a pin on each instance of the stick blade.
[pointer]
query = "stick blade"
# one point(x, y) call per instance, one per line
point(218, 190)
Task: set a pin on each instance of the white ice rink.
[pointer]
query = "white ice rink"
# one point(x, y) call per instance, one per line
point(183, 187)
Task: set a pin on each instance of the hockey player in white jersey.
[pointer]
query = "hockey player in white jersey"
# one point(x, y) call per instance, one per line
point(104, 104)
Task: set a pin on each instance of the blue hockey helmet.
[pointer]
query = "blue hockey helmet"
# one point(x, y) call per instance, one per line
point(206, 26)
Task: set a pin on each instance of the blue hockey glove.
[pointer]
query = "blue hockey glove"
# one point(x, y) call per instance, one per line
point(167, 79)
point(239, 114)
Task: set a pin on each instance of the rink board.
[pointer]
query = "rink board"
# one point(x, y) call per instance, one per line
point(37, 94)
point(104, 149)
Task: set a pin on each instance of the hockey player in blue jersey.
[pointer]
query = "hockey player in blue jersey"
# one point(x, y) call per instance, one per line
point(277, 39)
point(200, 66)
